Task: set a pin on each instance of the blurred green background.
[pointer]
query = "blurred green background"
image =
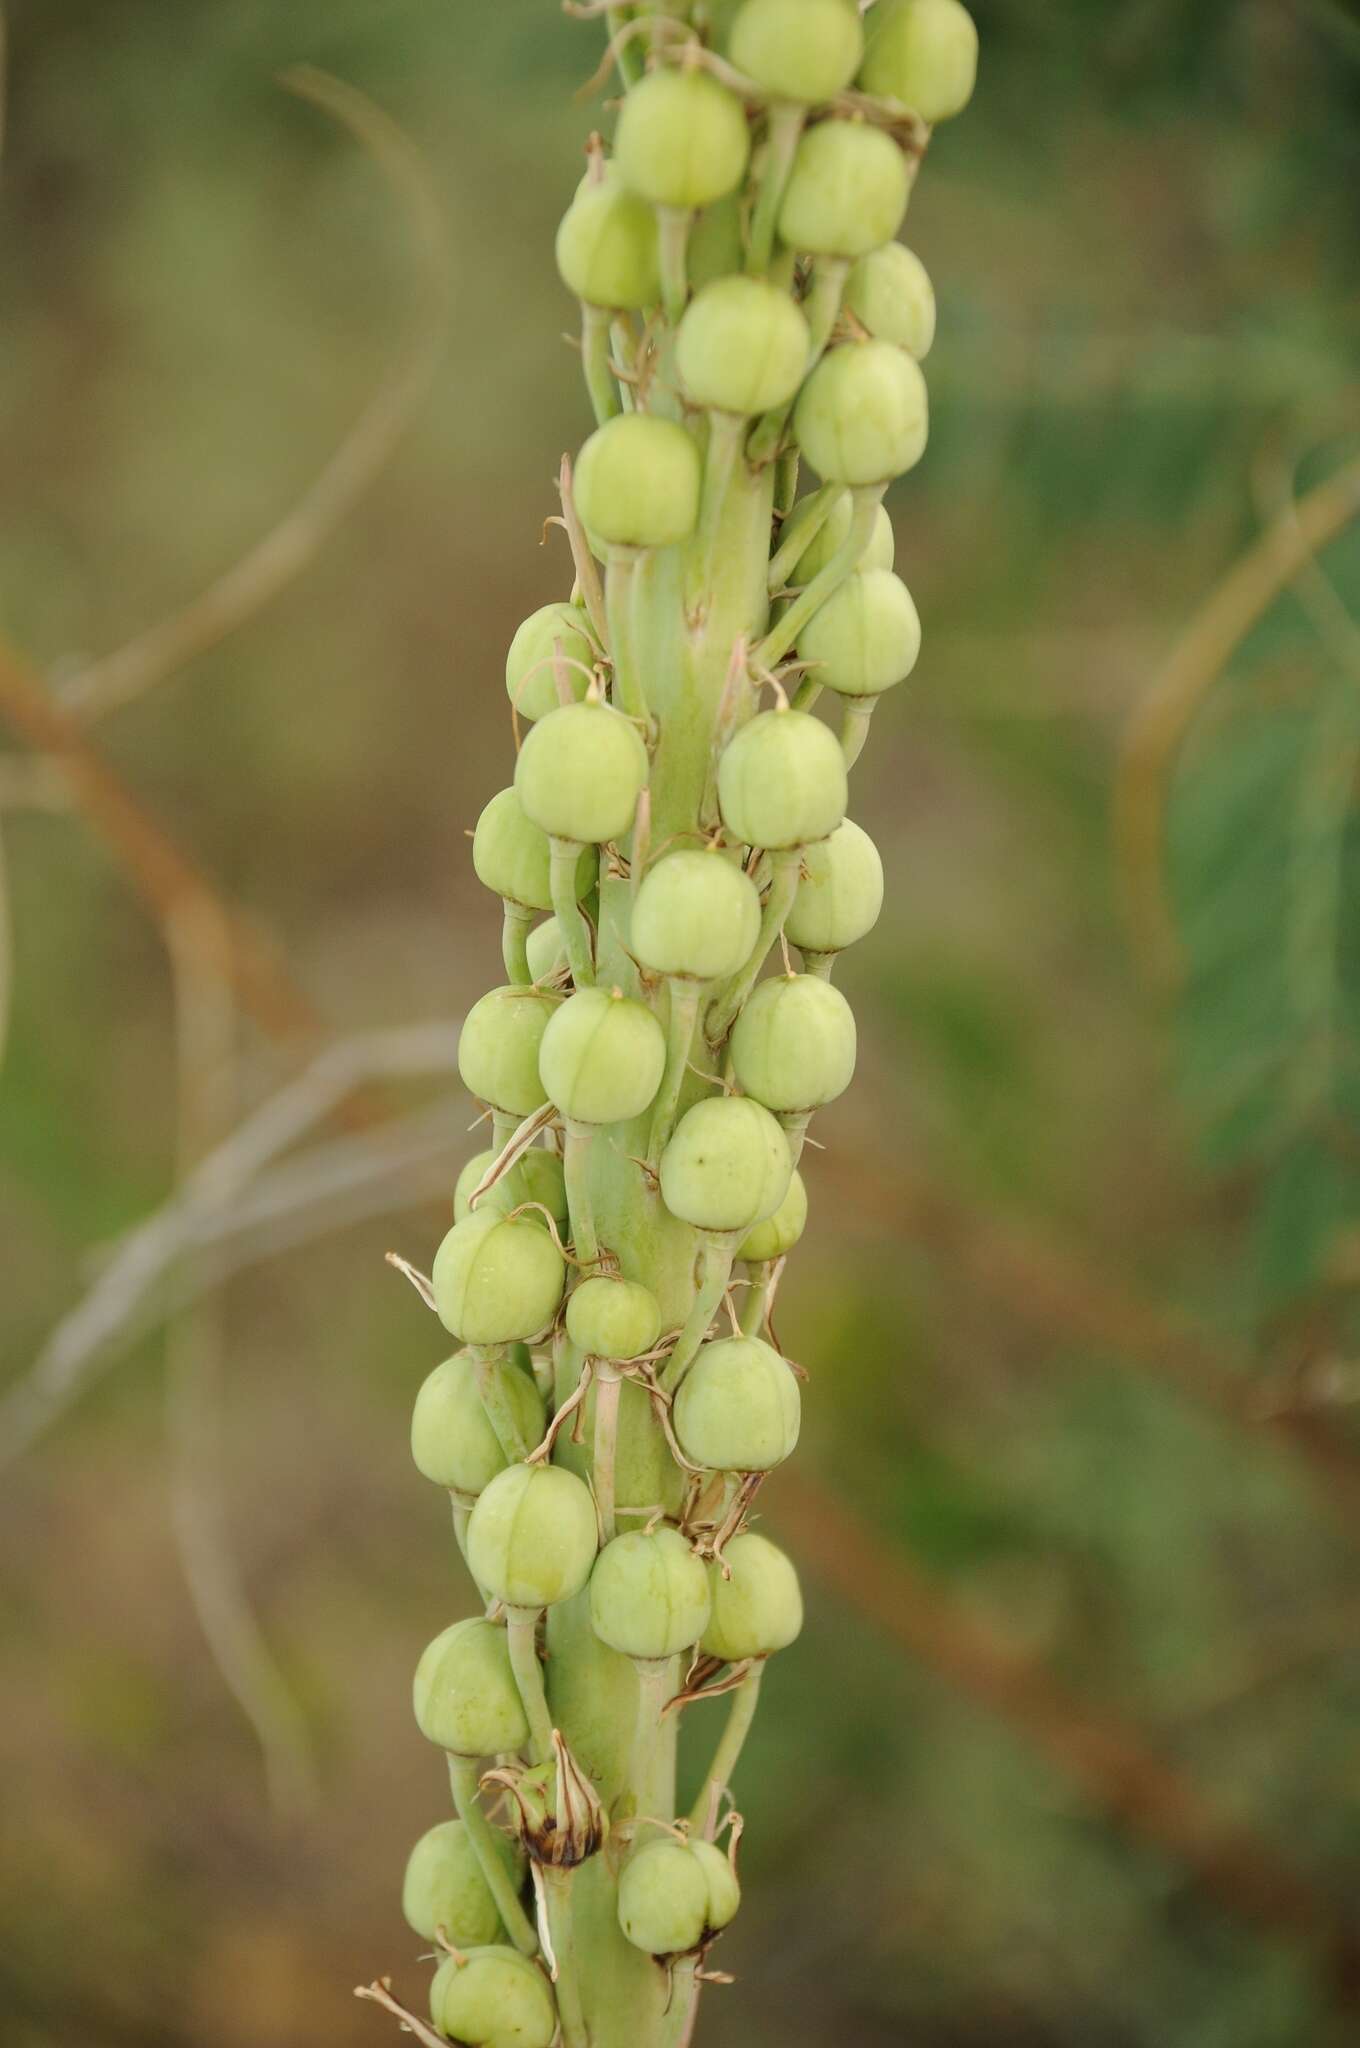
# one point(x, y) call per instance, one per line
point(1068, 1751)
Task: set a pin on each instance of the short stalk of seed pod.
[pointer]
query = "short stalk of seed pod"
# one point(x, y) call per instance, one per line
point(741, 1713)
point(752, 1318)
point(570, 917)
point(717, 1249)
point(855, 716)
point(620, 596)
point(463, 1779)
point(576, 1160)
point(606, 1442)
point(596, 323)
point(726, 432)
point(516, 926)
point(684, 1012)
point(488, 1361)
point(821, 309)
point(623, 351)
point(812, 515)
point(521, 1628)
point(784, 870)
point(784, 125)
point(865, 500)
point(794, 1124)
point(673, 225)
point(656, 1677)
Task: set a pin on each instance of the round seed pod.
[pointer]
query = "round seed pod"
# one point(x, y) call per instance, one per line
point(804, 50)
point(637, 482)
point(452, 1441)
point(493, 1998)
point(781, 780)
point(580, 773)
point(497, 1279)
point(832, 536)
point(890, 294)
point(847, 191)
point(924, 53)
point(532, 1537)
point(607, 249)
point(512, 857)
point(498, 1049)
point(862, 417)
point(602, 1057)
point(444, 1889)
point(727, 1166)
point(649, 1594)
point(759, 1609)
point(724, 1893)
point(682, 139)
point(544, 949)
point(530, 682)
point(793, 1046)
point(738, 1407)
point(866, 637)
point(840, 892)
point(715, 246)
point(465, 1697)
point(609, 1318)
point(536, 1176)
point(780, 1232)
point(696, 915)
point(663, 1898)
point(743, 345)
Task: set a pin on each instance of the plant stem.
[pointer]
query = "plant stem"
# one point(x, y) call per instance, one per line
point(620, 587)
point(726, 431)
point(516, 925)
point(784, 871)
point(521, 1628)
point(595, 345)
point(815, 511)
point(607, 1384)
point(580, 1207)
point(623, 347)
point(795, 1123)
point(703, 1815)
point(784, 125)
point(822, 309)
point(567, 910)
point(656, 1685)
point(557, 1897)
point(820, 964)
point(757, 1294)
point(673, 224)
point(684, 1011)
point(865, 499)
point(715, 1270)
point(481, 1834)
point(855, 727)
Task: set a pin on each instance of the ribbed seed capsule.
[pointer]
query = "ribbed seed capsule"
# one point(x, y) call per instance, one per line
point(444, 1892)
point(757, 1605)
point(862, 417)
point(738, 1407)
point(840, 892)
point(649, 1594)
point(924, 53)
point(607, 246)
point(609, 1318)
point(832, 536)
point(724, 1893)
point(465, 1697)
point(580, 772)
point(531, 1539)
point(695, 915)
point(781, 781)
point(536, 1177)
point(493, 1998)
point(742, 346)
point(663, 1898)
point(452, 1440)
point(847, 191)
point(512, 857)
point(545, 949)
point(727, 1167)
point(637, 482)
point(530, 675)
point(682, 139)
point(497, 1279)
point(793, 1046)
point(866, 637)
point(602, 1057)
point(891, 296)
point(780, 1232)
point(803, 50)
point(498, 1049)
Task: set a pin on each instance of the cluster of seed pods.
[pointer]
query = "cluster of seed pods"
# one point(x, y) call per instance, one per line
point(678, 876)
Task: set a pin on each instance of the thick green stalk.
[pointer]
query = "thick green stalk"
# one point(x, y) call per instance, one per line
point(463, 1776)
point(866, 499)
point(595, 351)
point(784, 125)
point(566, 909)
point(684, 1011)
point(521, 1628)
point(515, 928)
point(784, 869)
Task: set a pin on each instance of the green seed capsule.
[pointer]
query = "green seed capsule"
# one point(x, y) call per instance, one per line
point(637, 482)
point(727, 1166)
point(465, 1697)
point(580, 773)
point(602, 1057)
point(724, 1893)
point(530, 679)
point(804, 50)
point(743, 345)
point(924, 53)
point(609, 1318)
point(781, 781)
point(493, 1998)
point(497, 1280)
point(832, 536)
point(545, 951)
point(452, 1441)
point(682, 139)
point(536, 1176)
point(778, 1233)
point(847, 191)
point(759, 1608)
point(839, 894)
point(862, 417)
point(891, 296)
point(696, 915)
point(715, 246)
point(607, 246)
point(512, 857)
point(793, 1046)
point(531, 1538)
point(649, 1594)
point(738, 1407)
point(444, 1890)
point(663, 1898)
point(866, 637)
point(498, 1049)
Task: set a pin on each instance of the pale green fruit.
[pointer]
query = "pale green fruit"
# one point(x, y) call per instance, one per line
point(663, 1898)
point(923, 53)
point(866, 637)
point(530, 679)
point(532, 1537)
point(715, 246)
point(832, 536)
point(607, 249)
point(649, 1594)
point(738, 1407)
point(724, 1893)
point(637, 482)
point(608, 1318)
point(727, 1165)
point(452, 1441)
point(544, 949)
point(891, 296)
point(498, 1049)
point(743, 345)
point(465, 1697)
point(778, 1233)
point(682, 139)
point(493, 1998)
point(536, 1176)
point(580, 773)
point(805, 50)
point(497, 1279)
point(444, 1889)
point(862, 417)
point(696, 915)
point(758, 1609)
point(793, 1046)
point(781, 780)
point(602, 1057)
point(840, 892)
point(511, 855)
point(847, 191)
